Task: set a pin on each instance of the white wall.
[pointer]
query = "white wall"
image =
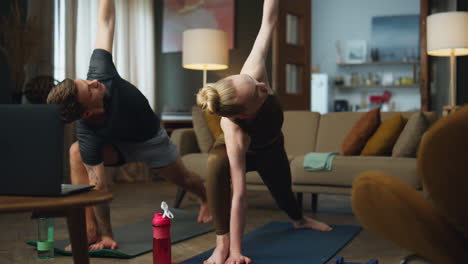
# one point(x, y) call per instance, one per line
point(351, 20)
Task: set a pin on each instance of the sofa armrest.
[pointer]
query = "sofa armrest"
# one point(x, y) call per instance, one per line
point(185, 140)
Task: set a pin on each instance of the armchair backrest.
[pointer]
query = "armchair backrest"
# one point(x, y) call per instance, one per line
point(443, 166)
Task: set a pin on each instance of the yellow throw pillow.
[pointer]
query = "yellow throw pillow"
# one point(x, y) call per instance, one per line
point(382, 141)
point(213, 124)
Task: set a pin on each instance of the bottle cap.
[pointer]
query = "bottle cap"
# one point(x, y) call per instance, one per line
point(161, 226)
point(159, 220)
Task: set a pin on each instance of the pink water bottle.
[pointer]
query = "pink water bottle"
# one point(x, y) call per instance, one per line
point(162, 236)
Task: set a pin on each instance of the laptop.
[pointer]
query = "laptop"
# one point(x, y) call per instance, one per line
point(32, 151)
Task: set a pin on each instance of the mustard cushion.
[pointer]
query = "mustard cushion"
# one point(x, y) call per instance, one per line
point(382, 141)
point(361, 131)
point(213, 124)
point(203, 134)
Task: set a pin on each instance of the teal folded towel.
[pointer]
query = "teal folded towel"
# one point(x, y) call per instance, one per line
point(315, 161)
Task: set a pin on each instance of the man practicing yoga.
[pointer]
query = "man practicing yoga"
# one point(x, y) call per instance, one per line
point(251, 122)
point(115, 125)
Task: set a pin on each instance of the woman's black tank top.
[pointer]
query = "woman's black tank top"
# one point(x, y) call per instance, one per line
point(265, 128)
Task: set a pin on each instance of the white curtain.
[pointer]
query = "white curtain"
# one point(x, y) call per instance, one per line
point(64, 39)
point(133, 51)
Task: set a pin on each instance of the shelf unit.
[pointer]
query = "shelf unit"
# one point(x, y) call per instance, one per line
point(380, 63)
point(416, 85)
point(414, 64)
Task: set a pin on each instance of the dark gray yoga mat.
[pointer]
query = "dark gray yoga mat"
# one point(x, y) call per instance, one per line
point(280, 243)
point(137, 238)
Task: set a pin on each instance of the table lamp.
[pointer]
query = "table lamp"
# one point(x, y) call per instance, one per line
point(447, 36)
point(205, 49)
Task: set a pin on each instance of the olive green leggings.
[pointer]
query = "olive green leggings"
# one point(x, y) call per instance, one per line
point(273, 166)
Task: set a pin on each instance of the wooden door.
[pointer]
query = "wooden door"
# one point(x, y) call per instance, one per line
point(291, 54)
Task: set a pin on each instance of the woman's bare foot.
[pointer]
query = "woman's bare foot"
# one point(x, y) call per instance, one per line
point(204, 216)
point(221, 251)
point(105, 243)
point(237, 259)
point(312, 224)
point(91, 234)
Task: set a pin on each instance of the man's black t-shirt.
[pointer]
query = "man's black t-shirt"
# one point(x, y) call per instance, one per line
point(129, 117)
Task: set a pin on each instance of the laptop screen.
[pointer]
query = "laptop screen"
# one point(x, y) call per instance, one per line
point(31, 144)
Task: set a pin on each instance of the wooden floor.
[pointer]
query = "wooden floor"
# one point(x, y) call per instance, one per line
point(135, 202)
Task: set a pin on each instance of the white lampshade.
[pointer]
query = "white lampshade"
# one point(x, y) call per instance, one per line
point(447, 32)
point(205, 49)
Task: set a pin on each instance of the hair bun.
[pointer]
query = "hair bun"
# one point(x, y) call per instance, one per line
point(208, 99)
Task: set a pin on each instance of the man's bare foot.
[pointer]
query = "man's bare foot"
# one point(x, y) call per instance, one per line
point(221, 251)
point(105, 243)
point(204, 216)
point(91, 234)
point(312, 224)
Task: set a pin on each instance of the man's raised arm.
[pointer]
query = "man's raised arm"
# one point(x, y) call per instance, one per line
point(106, 24)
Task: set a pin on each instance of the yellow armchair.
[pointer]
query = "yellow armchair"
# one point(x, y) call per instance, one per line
point(435, 228)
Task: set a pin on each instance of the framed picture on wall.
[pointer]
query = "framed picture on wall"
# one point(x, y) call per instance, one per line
point(180, 15)
point(396, 38)
point(355, 51)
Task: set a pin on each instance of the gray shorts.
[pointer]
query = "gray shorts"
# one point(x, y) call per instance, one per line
point(156, 152)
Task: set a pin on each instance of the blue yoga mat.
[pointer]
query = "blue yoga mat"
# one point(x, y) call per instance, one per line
point(340, 260)
point(280, 243)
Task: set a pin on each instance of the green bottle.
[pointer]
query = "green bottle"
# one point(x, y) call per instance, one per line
point(45, 238)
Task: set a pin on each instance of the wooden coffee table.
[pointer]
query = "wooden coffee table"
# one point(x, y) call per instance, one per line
point(72, 207)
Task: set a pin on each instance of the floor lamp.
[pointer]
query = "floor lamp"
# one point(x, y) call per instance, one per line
point(205, 49)
point(447, 36)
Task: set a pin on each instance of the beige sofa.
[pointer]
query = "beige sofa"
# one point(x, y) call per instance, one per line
point(306, 132)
